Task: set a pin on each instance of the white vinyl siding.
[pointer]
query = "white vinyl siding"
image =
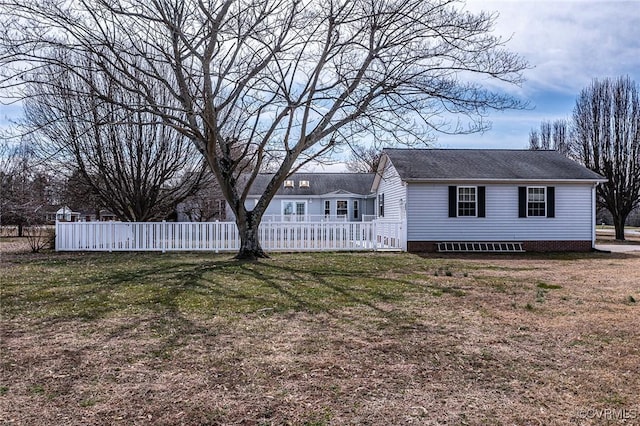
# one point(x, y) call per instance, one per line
point(395, 193)
point(428, 219)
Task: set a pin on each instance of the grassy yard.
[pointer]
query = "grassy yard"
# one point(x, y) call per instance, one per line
point(319, 339)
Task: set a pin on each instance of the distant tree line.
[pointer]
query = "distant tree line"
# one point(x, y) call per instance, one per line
point(603, 133)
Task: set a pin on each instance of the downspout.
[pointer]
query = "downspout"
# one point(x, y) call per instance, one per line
point(593, 216)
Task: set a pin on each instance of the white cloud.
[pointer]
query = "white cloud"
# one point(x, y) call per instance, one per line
point(569, 42)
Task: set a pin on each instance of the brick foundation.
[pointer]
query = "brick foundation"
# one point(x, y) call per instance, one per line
point(557, 245)
point(535, 246)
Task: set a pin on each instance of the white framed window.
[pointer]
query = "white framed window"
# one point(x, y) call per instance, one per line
point(303, 184)
point(289, 183)
point(536, 201)
point(356, 209)
point(467, 201)
point(380, 205)
point(342, 208)
point(327, 208)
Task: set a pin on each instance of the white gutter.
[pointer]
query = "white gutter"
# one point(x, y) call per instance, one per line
point(593, 216)
point(502, 180)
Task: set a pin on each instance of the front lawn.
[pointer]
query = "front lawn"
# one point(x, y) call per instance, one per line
point(328, 338)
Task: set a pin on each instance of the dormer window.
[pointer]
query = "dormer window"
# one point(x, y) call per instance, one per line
point(289, 184)
point(303, 184)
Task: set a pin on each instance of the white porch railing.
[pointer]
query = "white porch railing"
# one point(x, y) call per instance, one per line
point(303, 218)
point(223, 236)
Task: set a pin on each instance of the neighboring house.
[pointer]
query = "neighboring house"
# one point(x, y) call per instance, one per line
point(65, 214)
point(317, 197)
point(106, 216)
point(540, 199)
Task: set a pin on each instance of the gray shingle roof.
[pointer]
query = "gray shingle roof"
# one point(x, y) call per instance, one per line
point(319, 184)
point(476, 164)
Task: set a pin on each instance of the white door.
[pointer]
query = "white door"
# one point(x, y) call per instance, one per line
point(294, 210)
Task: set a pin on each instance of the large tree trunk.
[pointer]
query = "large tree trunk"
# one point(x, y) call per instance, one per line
point(250, 248)
point(618, 222)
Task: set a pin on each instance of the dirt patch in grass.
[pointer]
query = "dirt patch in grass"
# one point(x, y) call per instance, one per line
point(320, 339)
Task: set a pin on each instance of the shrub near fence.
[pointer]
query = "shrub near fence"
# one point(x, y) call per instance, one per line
point(39, 237)
point(223, 236)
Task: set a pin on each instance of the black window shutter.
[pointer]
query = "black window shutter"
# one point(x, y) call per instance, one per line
point(522, 201)
point(551, 201)
point(453, 202)
point(481, 201)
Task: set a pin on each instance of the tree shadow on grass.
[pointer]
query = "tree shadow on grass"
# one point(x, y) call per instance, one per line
point(173, 294)
point(158, 306)
point(205, 287)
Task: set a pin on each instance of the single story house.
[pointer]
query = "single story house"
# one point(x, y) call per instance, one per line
point(539, 200)
point(317, 197)
point(454, 199)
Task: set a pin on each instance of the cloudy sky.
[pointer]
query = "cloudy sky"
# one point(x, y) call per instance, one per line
point(568, 43)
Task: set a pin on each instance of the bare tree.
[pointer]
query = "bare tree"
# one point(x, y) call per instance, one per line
point(127, 161)
point(24, 187)
point(79, 195)
point(545, 135)
point(534, 140)
point(541, 139)
point(607, 137)
point(364, 159)
point(279, 81)
point(206, 204)
point(552, 135)
point(562, 137)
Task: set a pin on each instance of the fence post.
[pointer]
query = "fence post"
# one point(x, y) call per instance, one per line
point(217, 236)
point(111, 236)
point(405, 233)
point(375, 235)
point(163, 238)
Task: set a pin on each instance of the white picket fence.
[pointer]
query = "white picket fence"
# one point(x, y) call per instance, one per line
point(223, 236)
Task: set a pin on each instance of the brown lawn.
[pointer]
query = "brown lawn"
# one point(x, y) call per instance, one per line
point(194, 339)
